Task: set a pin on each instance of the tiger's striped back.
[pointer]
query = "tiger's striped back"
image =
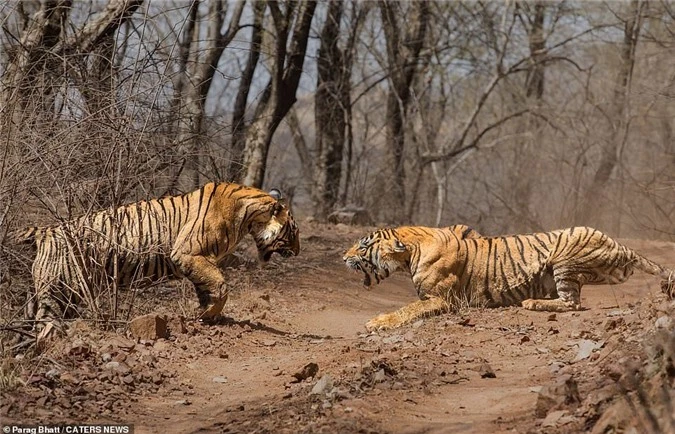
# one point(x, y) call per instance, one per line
point(144, 242)
point(501, 271)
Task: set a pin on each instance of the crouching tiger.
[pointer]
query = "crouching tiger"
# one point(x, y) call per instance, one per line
point(541, 271)
point(171, 237)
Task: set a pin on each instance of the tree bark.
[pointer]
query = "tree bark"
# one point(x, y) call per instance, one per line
point(618, 117)
point(279, 95)
point(236, 166)
point(402, 59)
point(331, 100)
point(29, 72)
point(203, 62)
point(37, 67)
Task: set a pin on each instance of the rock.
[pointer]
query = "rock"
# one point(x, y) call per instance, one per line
point(121, 343)
point(183, 402)
point(486, 371)
point(323, 386)
point(664, 322)
point(118, 367)
point(586, 348)
point(219, 379)
point(176, 325)
point(151, 326)
point(564, 392)
point(612, 323)
point(379, 376)
point(351, 216)
point(128, 379)
point(53, 373)
point(78, 348)
point(309, 370)
point(614, 419)
point(552, 418)
point(106, 357)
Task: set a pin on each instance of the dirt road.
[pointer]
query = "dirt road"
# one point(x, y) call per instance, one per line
point(478, 371)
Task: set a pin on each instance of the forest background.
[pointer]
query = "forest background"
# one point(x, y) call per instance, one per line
point(506, 116)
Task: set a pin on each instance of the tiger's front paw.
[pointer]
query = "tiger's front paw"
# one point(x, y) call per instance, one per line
point(214, 310)
point(383, 321)
point(530, 304)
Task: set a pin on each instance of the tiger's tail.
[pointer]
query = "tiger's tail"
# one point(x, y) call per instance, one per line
point(667, 275)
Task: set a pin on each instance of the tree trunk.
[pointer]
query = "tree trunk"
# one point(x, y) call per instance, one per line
point(525, 157)
point(402, 59)
point(28, 81)
point(236, 166)
point(618, 117)
point(37, 66)
point(203, 62)
point(331, 98)
point(279, 95)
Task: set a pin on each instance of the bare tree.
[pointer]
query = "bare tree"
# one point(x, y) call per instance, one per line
point(39, 63)
point(203, 55)
point(332, 105)
point(403, 57)
point(617, 113)
point(279, 95)
point(235, 168)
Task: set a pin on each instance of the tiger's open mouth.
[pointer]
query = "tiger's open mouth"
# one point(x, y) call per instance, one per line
point(284, 252)
point(357, 266)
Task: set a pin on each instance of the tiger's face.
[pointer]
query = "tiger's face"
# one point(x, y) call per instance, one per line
point(377, 256)
point(276, 233)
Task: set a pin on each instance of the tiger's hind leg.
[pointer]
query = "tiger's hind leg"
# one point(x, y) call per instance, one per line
point(569, 298)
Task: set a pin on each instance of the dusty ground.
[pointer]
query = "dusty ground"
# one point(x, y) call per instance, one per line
point(473, 372)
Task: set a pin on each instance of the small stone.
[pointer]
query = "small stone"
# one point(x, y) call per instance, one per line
point(219, 379)
point(176, 325)
point(486, 371)
point(149, 327)
point(552, 418)
point(379, 376)
point(664, 322)
point(118, 367)
point(322, 386)
point(586, 348)
point(106, 357)
point(309, 370)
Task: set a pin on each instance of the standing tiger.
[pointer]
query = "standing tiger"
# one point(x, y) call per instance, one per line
point(541, 271)
point(172, 237)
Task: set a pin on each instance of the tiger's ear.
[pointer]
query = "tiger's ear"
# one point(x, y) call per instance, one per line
point(276, 194)
point(399, 247)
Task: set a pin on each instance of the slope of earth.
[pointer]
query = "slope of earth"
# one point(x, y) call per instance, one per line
point(292, 355)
